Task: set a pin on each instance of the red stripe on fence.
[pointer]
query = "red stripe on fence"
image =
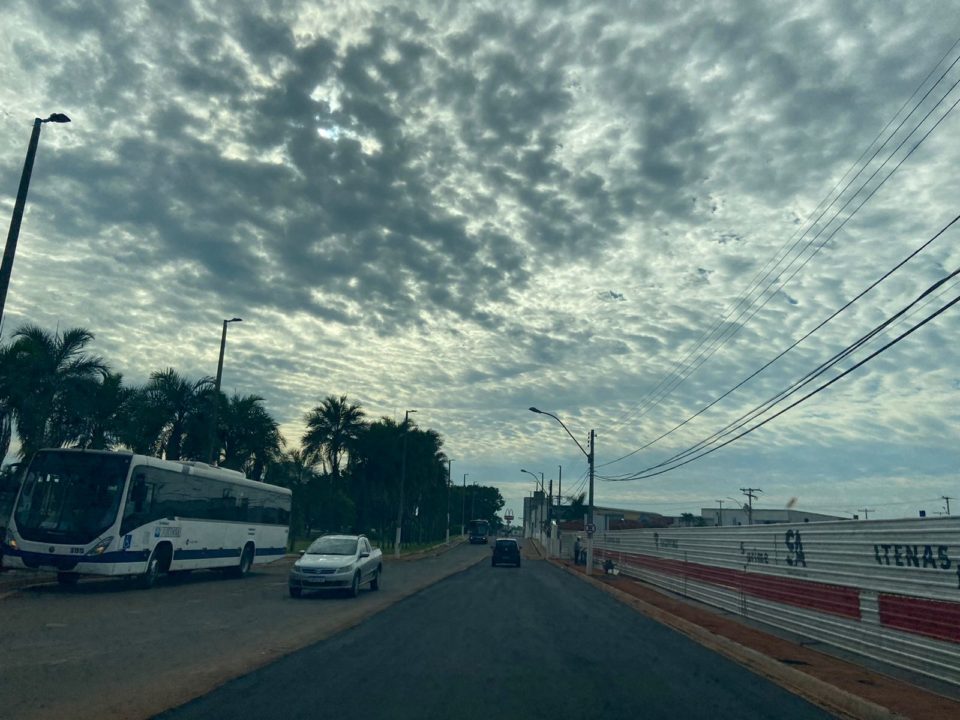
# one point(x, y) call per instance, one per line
point(834, 599)
point(934, 618)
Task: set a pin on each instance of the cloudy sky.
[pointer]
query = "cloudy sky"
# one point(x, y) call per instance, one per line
point(471, 208)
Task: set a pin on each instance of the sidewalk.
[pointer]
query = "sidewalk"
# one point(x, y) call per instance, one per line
point(14, 579)
point(842, 687)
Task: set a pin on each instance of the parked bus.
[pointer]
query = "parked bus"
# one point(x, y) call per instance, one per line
point(478, 532)
point(94, 512)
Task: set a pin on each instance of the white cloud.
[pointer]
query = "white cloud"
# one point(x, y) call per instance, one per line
point(474, 209)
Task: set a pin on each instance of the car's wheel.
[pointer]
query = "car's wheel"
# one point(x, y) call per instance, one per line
point(355, 586)
point(518, 563)
point(375, 583)
point(295, 592)
point(68, 578)
point(493, 563)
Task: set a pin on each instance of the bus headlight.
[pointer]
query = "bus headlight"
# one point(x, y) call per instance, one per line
point(9, 540)
point(101, 547)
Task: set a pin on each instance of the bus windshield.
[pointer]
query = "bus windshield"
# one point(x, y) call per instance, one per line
point(479, 528)
point(70, 497)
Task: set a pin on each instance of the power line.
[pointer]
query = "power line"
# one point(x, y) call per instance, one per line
point(722, 339)
point(759, 370)
point(899, 317)
point(664, 387)
point(648, 472)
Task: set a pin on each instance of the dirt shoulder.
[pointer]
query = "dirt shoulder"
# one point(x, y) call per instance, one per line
point(842, 687)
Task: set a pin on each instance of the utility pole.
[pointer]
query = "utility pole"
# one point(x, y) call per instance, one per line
point(866, 512)
point(449, 483)
point(403, 477)
point(948, 499)
point(550, 503)
point(749, 492)
point(590, 512)
point(559, 487)
point(463, 506)
point(720, 515)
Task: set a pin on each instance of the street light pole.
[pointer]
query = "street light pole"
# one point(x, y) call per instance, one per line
point(449, 482)
point(13, 235)
point(403, 477)
point(590, 456)
point(216, 392)
point(539, 520)
point(463, 506)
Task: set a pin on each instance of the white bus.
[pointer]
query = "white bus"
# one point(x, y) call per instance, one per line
point(94, 512)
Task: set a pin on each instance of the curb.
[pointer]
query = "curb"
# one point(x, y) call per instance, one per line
point(433, 551)
point(12, 581)
point(816, 691)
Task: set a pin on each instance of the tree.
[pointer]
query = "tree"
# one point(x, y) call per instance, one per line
point(577, 507)
point(332, 429)
point(163, 411)
point(42, 380)
point(249, 436)
point(104, 414)
point(295, 470)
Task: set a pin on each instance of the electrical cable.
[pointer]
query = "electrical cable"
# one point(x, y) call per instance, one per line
point(666, 379)
point(647, 472)
point(795, 388)
point(759, 370)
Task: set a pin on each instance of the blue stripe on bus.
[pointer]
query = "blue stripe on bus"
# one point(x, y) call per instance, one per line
point(132, 556)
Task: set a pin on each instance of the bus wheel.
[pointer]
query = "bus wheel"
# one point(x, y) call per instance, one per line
point(246, 562)
point(150, 575)
point(68, 578)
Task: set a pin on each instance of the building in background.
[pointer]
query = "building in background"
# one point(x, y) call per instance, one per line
point(714, 517)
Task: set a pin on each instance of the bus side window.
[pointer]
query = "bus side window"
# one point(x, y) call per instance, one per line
point(138, 491)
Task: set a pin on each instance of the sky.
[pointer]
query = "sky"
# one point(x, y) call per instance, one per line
point(615, 212)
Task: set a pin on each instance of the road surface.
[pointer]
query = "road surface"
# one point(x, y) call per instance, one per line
point(105, 650)
point(533, 642)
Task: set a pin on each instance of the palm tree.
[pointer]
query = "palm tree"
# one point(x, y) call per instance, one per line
point(106, 406)
point(332, 430)
point(41, 380)
point(295, 470)
point(164, 415)
point(250, 438)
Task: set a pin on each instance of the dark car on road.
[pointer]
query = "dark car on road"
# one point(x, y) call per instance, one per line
point(506, 551)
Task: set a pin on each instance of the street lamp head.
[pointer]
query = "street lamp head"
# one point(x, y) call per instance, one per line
point(234, 320)
point(57, 118)
point(539, 412)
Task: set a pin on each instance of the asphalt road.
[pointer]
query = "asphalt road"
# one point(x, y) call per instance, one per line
point(106, 650)
point(532, 642)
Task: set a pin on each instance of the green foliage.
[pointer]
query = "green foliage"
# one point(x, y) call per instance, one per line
point(345, 477)
point(44, 380)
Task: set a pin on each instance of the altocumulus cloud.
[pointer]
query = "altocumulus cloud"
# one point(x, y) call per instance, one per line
point(473, 208)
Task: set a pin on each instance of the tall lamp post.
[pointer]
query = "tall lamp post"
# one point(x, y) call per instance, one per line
point(449, 482)
point(10, 249)
point(216, 392)
point(403, 478)
point(589, 456)
point(539, 509)
point(463, 506)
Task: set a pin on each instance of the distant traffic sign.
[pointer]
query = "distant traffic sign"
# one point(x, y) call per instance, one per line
point(591, 528)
